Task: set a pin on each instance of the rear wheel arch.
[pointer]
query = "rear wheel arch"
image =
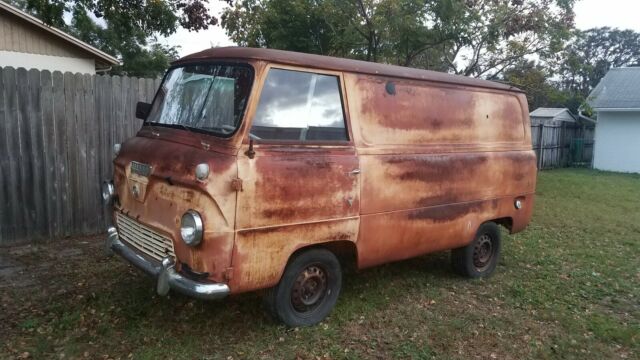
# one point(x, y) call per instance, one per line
point(506, 222)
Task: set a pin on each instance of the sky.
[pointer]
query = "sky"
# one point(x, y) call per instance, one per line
point(589, 13)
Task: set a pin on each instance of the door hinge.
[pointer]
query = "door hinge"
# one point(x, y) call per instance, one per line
point(236, 184)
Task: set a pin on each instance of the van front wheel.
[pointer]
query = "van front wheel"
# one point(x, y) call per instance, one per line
point(308, 289)
point(480, 257)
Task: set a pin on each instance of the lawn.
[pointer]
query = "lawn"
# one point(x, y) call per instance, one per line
point(567, 287)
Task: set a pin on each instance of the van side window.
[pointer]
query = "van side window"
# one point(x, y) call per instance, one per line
point(301, 106)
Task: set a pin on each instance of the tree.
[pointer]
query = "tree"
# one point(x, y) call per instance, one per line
point(480, 38)
point(150, 17)
point(590, 54)
point(534, 79)
point(140, 55)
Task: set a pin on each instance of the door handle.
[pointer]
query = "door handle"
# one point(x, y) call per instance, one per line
point(354, 172)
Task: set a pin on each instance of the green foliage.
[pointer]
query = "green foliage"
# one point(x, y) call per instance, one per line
point(138, 57)
point(150, 17)
point(590, 54)
point(472, 37)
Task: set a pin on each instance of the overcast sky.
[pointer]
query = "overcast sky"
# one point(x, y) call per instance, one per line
point(622, 14)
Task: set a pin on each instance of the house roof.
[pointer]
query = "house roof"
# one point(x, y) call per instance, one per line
point(549, 112)
point(97, 54)
point(338, 64)
point(618, 90)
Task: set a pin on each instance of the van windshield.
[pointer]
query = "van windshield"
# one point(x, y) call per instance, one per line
point(206, 97)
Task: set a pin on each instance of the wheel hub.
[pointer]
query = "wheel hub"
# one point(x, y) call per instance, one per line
point(309, 289)
point(483, 252)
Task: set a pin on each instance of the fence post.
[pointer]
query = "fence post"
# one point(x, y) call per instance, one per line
point(541, 146)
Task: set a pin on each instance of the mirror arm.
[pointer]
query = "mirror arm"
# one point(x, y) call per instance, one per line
point(250, 153)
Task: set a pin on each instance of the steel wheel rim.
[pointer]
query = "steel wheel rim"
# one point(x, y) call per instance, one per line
point(309, 289)
point(483, 252)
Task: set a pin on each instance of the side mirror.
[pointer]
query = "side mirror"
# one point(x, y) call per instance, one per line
point(142, 110)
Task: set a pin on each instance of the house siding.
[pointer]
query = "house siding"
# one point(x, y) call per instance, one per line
point(18, 35)
point(47, 62)
point(617, 142)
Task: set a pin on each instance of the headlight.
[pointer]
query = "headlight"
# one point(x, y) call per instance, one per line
point(191, 228)
point(108, 191)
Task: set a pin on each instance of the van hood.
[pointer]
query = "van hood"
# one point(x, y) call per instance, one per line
point(156, 184)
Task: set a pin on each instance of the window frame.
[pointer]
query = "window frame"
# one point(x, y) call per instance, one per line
point(241, 120)
point(343, 102)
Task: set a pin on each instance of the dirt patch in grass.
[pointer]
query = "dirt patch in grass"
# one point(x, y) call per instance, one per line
point(568, 287)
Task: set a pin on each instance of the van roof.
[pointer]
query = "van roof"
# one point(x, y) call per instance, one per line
point(338, 64)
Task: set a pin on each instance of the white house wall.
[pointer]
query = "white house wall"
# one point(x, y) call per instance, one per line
point(47, 62)
point(617, 142)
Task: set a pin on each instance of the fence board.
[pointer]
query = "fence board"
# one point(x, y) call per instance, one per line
point(49, 161)
point(5, 207)
point(16, 217)
point(26, 158)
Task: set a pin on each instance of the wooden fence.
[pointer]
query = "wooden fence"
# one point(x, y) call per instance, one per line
point(57, 133)
point(563, 145)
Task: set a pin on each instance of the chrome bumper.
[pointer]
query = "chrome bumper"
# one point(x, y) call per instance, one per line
point(165, 272)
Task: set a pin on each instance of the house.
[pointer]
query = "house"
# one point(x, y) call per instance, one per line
point(26, 42)
point(551, 116)
point(616, 100)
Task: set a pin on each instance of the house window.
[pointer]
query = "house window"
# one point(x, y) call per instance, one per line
point(300, 106)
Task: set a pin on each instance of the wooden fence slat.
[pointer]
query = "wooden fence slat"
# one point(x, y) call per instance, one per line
point(26, 182)
point(6, 230)
point(17, 215)
point(49, 144)
point(92, 183)
point(38, 171)
point(60, 154)
point(71, 153)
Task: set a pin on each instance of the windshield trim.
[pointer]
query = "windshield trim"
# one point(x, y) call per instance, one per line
point(252, 73)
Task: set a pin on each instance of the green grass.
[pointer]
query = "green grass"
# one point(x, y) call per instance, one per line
point(567, 287)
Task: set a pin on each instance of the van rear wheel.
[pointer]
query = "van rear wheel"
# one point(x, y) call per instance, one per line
point(308, 289)
point(480, 257)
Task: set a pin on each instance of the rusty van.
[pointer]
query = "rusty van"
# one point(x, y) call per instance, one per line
point(260, 169)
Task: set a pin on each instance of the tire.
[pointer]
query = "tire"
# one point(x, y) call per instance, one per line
point(480, 257)
point(308, 289)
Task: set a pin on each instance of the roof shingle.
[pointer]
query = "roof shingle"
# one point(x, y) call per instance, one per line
point(619, 89)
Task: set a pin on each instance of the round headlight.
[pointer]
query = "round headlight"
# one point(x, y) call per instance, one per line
point(116, 149)
point(108, 191)
point(191, 228)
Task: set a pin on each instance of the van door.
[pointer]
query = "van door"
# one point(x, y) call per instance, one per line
point(300, 178)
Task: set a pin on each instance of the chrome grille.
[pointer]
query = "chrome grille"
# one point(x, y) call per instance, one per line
point(143, 238)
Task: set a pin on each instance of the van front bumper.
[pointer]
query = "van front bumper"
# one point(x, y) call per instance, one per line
point(165, 273)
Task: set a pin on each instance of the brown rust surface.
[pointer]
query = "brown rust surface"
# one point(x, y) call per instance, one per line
point(260, 255)
point(284, 185)
point(400, 235)
point(172, 189)
point(425, 113)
